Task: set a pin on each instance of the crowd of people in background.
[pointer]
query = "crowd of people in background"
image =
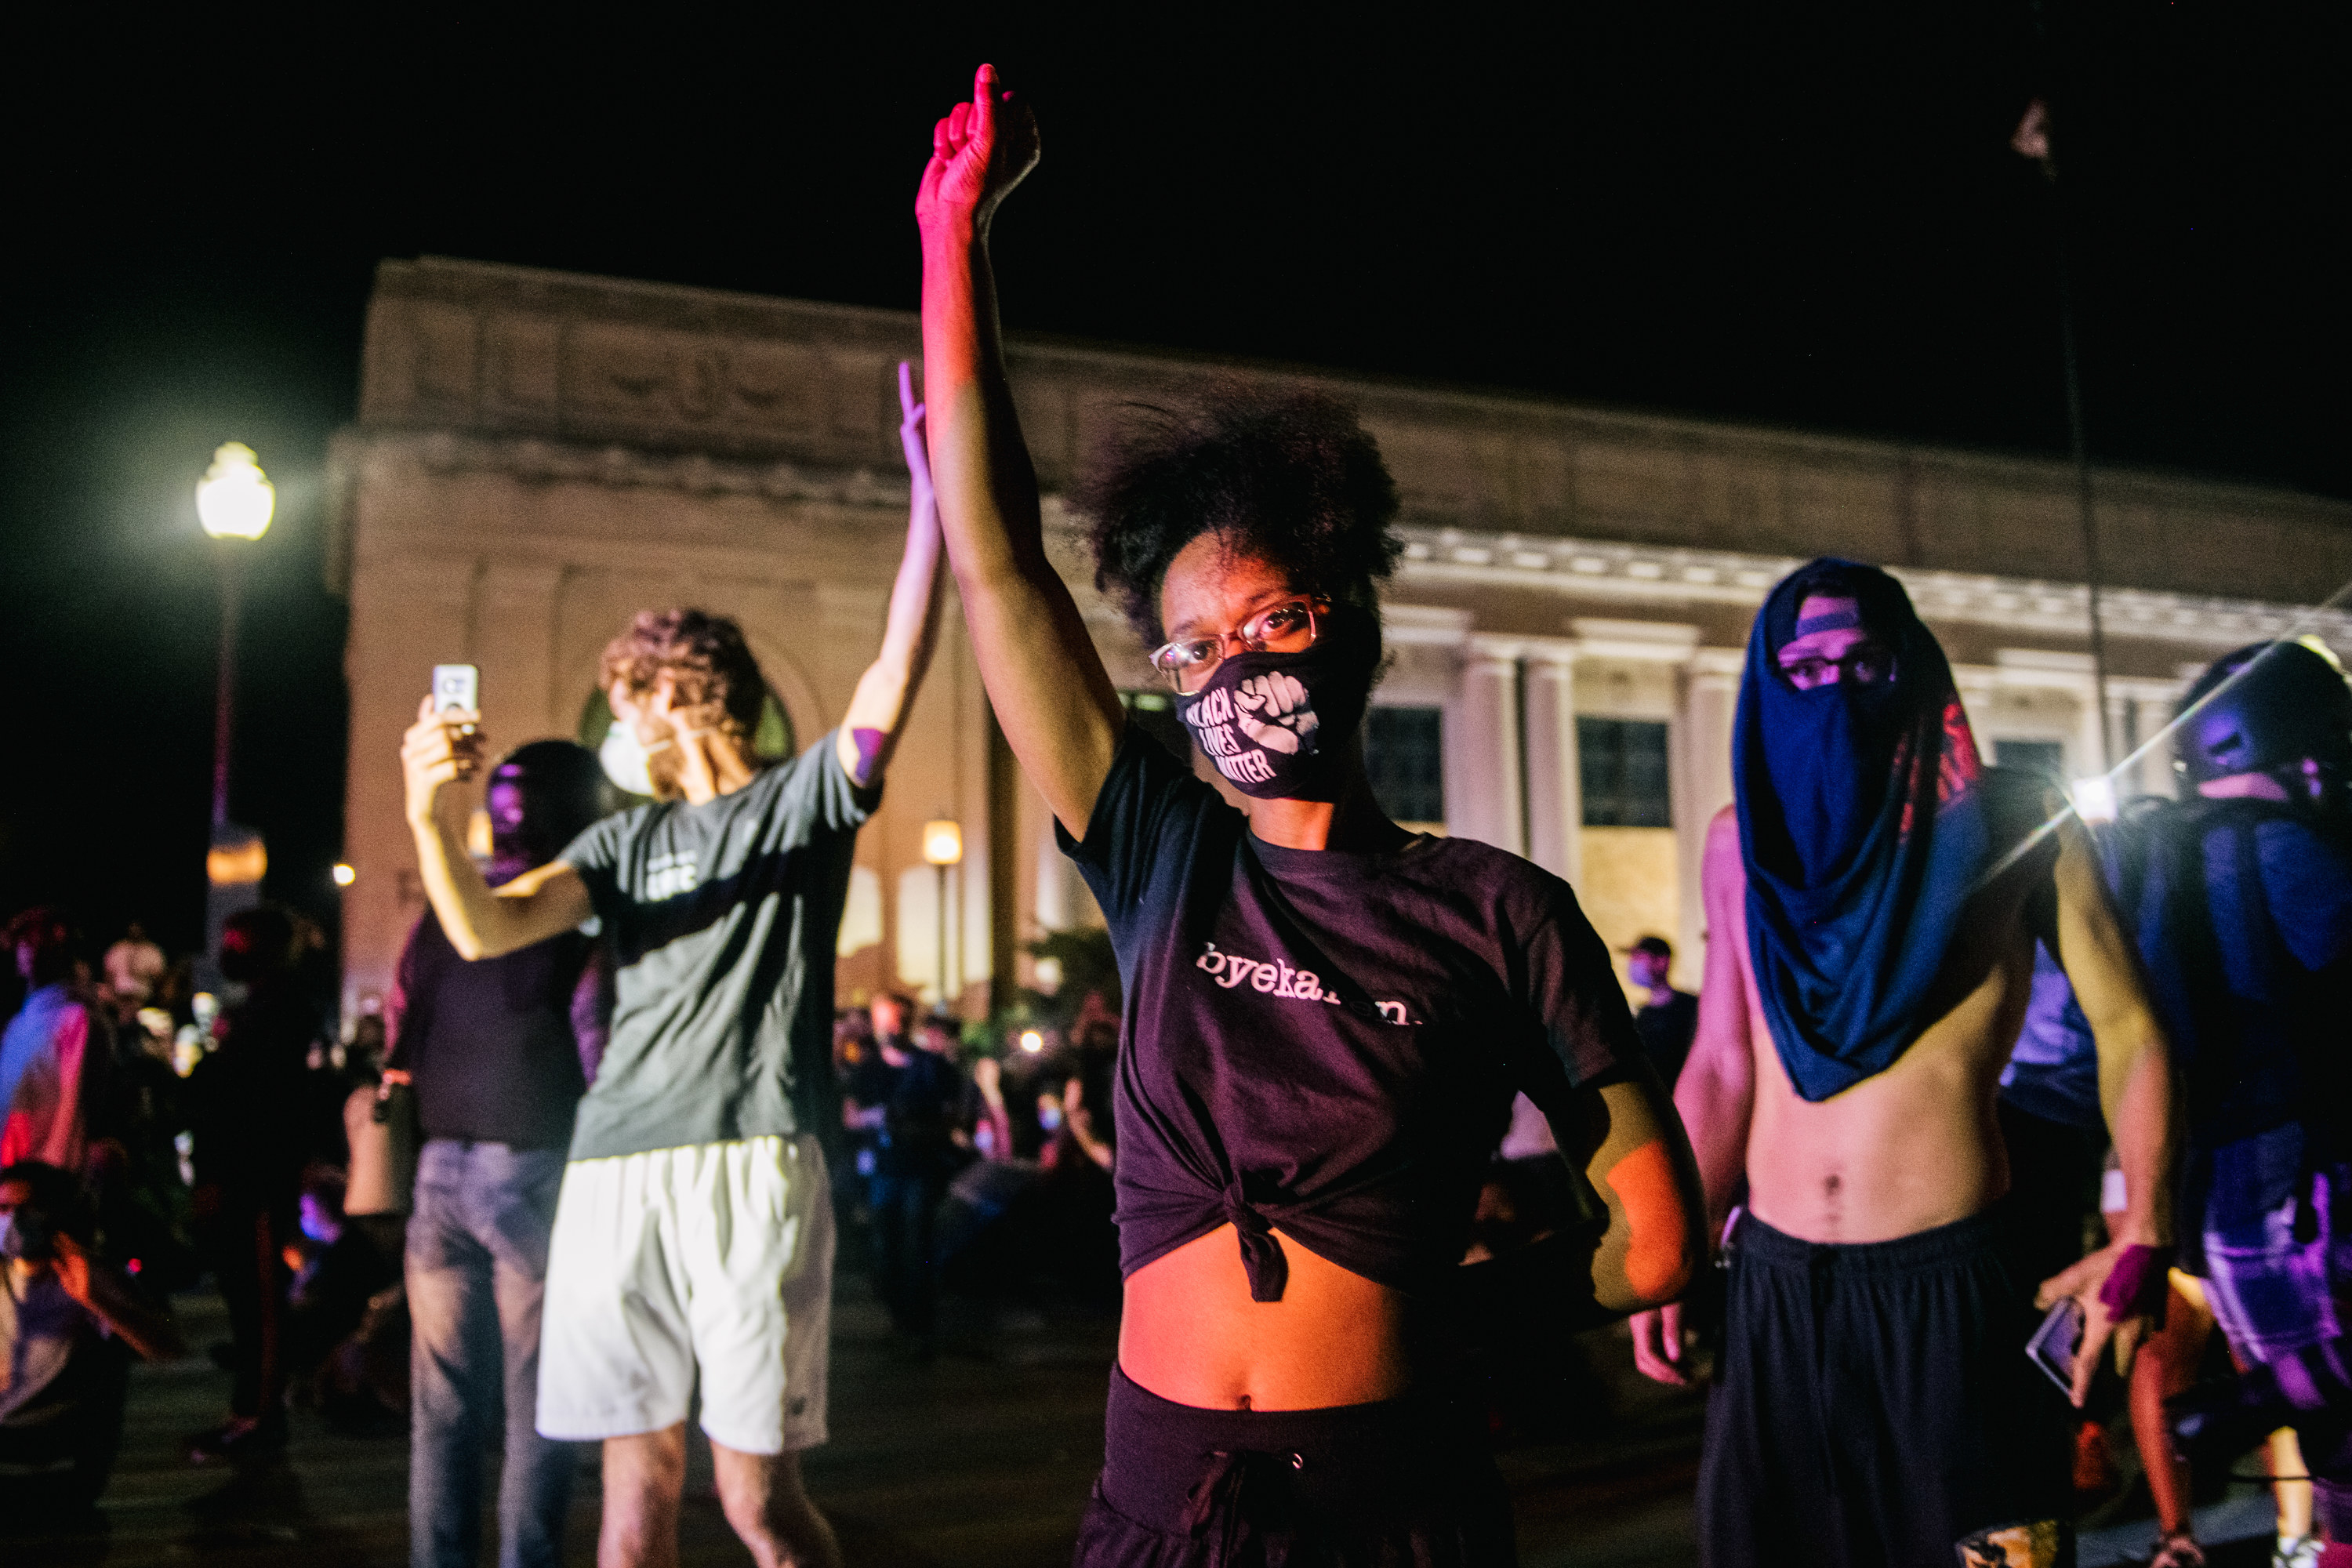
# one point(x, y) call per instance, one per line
point(335, 1186)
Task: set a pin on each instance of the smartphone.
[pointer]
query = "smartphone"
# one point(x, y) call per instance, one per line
point(2054, 1344)
point(457, 686)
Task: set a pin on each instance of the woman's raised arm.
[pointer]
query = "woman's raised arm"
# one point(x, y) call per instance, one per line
point(1052, 696)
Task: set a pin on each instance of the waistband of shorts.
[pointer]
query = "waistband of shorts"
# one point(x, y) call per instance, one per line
point(1983, 1235)
point(799, 1145)
point(1376, 1460)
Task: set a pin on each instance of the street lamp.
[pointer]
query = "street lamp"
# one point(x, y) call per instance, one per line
point(943, 847)
point(234, 501)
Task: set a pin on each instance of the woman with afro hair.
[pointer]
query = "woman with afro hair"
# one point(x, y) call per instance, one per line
point(1326, 1017)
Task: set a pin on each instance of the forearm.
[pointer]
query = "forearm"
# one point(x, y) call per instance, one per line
point(478, 923)
point(869, 732)
point(986, 485)
point(1057, 704)
point(1643, 1173)
point(2137, 1099)
point(152, 1334)
point(1716, 1109)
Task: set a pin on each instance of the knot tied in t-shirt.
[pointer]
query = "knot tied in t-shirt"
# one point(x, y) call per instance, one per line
point(1262, 1259)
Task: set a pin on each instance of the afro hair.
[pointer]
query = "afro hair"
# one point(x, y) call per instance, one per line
point(1289, 476)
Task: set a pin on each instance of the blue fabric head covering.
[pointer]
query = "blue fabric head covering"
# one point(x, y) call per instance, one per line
point(1862, 829)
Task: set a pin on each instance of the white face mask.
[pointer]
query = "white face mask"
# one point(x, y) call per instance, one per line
point(625, 761)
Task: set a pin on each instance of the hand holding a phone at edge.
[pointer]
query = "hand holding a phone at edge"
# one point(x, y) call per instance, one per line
point(442, 747)
point(2107, 1319)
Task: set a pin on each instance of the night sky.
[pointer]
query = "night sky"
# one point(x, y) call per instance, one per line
point(1762, 213)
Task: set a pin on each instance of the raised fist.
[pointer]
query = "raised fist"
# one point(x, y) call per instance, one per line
point(979, 153)
point(1273, 711)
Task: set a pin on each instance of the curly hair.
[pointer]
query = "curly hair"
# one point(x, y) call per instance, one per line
point(706, 657)
point(1289, 476)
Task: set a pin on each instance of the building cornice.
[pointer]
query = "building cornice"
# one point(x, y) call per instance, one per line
point(1586, 569)
point(487, 351)
point(1652, 576)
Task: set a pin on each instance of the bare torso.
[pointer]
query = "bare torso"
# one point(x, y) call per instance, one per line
point(1191, 1332)
point(1916, 1146)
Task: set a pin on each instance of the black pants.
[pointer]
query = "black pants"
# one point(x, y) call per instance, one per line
point(1405, 1483)
point(906, 1271)
point(1874, 1405)
point(243, 1240)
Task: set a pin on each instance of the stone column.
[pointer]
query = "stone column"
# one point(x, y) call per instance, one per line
point(1702, 786)
point(1555, 786)
point(1482, 770)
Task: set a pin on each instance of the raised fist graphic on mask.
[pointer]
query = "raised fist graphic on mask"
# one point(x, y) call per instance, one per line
point(1272, 710)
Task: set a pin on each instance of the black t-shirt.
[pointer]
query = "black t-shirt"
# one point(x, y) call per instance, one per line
point(922, 1109)
point(491, 1043)
point(1666, 1034)
point(1327, 1041)
point(722, 918)
point(249, 1097)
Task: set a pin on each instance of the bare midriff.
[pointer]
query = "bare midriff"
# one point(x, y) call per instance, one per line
point(1191, 1334)
point(1909, 1149)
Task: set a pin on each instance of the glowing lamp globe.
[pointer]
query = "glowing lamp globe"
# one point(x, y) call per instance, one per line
point(2095, 799)
point(234, 498)
point(942, 843)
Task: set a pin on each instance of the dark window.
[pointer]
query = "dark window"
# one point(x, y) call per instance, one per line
point(1405, 754)
point(1156, 712)
point(2032, 756)
point(1622, 765)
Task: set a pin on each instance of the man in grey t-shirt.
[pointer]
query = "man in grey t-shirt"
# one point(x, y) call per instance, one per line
point(695, 1229)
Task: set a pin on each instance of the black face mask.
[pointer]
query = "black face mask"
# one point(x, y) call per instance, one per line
point(1277, 724)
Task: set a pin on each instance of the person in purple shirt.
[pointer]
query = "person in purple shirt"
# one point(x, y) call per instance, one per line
point(498, 1054)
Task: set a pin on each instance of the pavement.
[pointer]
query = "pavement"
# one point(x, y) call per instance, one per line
point(978, 1457)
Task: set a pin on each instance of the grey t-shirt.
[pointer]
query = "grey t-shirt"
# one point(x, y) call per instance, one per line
point(722, 919)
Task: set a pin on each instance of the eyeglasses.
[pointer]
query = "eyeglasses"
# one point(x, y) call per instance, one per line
point(1286, 628)
point(1864, 664)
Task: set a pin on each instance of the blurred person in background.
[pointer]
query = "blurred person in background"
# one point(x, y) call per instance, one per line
point(69, 1324)
point(498, 1054)
point(246, 1101)
point(2242, 898)
point(1667, 1018)
point(921, 1144)
point(48, 1057)
point(134, 965)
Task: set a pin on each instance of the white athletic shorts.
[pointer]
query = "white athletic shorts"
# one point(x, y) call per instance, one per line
point(717, 1256)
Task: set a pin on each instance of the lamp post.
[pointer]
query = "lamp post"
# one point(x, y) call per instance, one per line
point(943, 847)
point(234, 501)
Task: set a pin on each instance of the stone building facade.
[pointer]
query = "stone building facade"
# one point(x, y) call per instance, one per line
point(538, 455)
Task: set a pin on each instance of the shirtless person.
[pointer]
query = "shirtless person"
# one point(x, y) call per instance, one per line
point(1874, 897)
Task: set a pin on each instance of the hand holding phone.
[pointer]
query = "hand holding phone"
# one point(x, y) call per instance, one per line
point(445, 744)
point(2053, 1346)
point(457, 693)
